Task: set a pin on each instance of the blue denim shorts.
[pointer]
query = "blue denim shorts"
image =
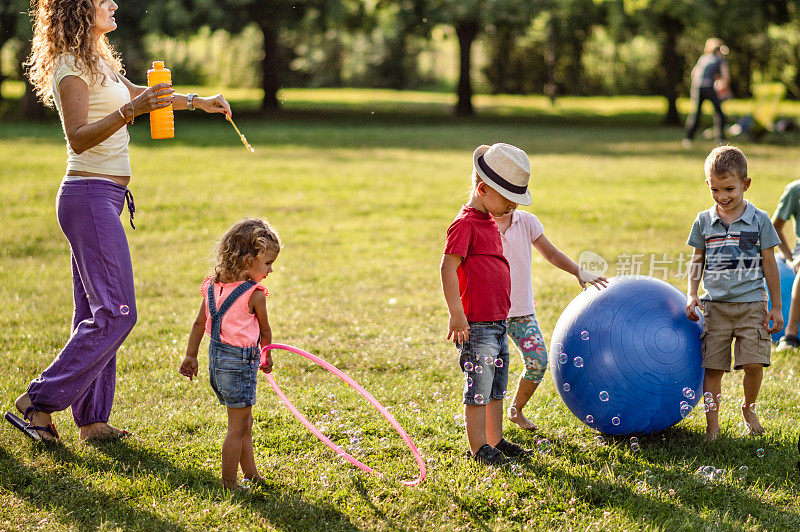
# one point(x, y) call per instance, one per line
point(484, 361)
point(233, 372)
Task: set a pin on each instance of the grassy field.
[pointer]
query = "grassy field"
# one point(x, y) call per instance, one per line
point(361, 186)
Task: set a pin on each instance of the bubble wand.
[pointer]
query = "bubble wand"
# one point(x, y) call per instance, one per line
point(364, 393)
point(244, 140)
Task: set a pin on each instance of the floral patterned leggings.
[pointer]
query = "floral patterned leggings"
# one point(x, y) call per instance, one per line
point(524, 331)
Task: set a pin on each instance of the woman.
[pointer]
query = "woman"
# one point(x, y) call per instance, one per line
point(73, 66)
point(709, 82)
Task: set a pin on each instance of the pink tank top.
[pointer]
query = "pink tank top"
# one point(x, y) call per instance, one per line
point(239, 325)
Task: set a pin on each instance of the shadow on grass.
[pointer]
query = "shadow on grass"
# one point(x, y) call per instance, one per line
point(564, 132)
point(77, 502)
point(692, 497)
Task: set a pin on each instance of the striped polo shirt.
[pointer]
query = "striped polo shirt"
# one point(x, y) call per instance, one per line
point(733, 269)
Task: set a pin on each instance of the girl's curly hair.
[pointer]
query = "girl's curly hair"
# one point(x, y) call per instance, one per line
point(241, 245)
point(61, 27)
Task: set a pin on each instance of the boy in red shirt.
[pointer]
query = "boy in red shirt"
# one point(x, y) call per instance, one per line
point(476, 281)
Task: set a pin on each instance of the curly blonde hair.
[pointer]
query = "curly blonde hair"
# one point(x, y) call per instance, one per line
point(241, 245)
point(61, 27)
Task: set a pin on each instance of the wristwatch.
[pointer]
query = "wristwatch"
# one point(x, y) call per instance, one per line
point(189, 99)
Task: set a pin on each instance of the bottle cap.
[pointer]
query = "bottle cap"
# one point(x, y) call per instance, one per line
point(158, 65)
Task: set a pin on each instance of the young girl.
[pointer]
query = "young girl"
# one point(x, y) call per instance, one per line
point(234, 314)
point(518, 230)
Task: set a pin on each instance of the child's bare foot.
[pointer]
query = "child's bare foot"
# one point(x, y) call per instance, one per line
point(712, 434)
point(751, 418)
point(519, 418)
point(97, 432)
point(36, 418)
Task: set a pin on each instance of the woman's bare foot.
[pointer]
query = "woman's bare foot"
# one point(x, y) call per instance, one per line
point(96, 432)
point(751, 418)
point(36, 418)
point(519, 418)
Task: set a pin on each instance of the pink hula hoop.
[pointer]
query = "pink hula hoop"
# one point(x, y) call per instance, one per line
point(364, 393)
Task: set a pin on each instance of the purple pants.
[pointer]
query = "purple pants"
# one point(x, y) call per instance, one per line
point(83, 374)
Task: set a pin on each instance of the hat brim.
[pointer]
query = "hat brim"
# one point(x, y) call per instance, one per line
point(519, 199)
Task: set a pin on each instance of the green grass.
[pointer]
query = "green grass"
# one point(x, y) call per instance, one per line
point(362, 202)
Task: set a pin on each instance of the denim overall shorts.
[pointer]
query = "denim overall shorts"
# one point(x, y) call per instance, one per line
point(232, 369)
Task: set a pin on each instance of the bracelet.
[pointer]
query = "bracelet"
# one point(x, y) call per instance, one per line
point(122, 114)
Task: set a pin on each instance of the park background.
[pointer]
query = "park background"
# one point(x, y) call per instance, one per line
point(364, 125)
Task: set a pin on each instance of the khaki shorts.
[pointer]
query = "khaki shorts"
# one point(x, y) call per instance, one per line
point(722, 322)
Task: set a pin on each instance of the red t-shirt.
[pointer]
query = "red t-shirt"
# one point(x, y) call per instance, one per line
point(484, 277)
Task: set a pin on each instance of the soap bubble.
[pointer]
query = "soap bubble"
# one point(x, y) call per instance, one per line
point(543, 446)
point(685, 409)
point(513, 412)
point(599, 440)
point(603, 396)
point(615, 421)
point(584, 335)
point(635, 447)
point(124, 310)
point(754, 407)
point(489, 360)
point(708, 397)
point(688, 393)
point(589, 418)
point(742, 473)
point(479, 369)
point(566, 387)
point(703, 408)
point(578, 362)
point(469, 382)
point(709, 470)
point(760, 452)
point(479, 399)
point(562, 358)
point(468, 366)
point(634, 439)
point(498, 362)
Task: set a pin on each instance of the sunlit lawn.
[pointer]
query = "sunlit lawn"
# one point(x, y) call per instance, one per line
point(362, 202)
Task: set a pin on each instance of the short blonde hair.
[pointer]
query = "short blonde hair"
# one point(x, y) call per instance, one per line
point(726, 161)
point(241, 245)
point(712, 45)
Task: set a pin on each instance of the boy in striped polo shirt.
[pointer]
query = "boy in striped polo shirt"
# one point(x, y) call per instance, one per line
point(733, 253)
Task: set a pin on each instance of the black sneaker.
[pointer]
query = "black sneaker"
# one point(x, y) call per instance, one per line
point(789, 341)
point(490, 456)
point(512, 450)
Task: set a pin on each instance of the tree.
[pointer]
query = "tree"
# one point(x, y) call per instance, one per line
point(667, 20)
point(13, 24)
point(469, 18)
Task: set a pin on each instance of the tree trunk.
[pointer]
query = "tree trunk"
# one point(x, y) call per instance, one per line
point(673, 71)
point(8, 27)
point(466, 32)
point(550, 56)
point(270, 69)
point(30, 106)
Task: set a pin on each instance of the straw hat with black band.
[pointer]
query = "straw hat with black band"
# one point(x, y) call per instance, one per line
point(506, 169)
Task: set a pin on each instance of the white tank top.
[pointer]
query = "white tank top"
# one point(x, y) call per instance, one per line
point(105, 97)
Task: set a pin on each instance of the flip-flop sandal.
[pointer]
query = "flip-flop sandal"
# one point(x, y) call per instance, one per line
point(29, 430)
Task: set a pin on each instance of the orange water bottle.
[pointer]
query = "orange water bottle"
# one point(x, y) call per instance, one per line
point(162, 123)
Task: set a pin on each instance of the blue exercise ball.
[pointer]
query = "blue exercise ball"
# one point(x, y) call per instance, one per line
point(626, 359)
point(786, 274)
